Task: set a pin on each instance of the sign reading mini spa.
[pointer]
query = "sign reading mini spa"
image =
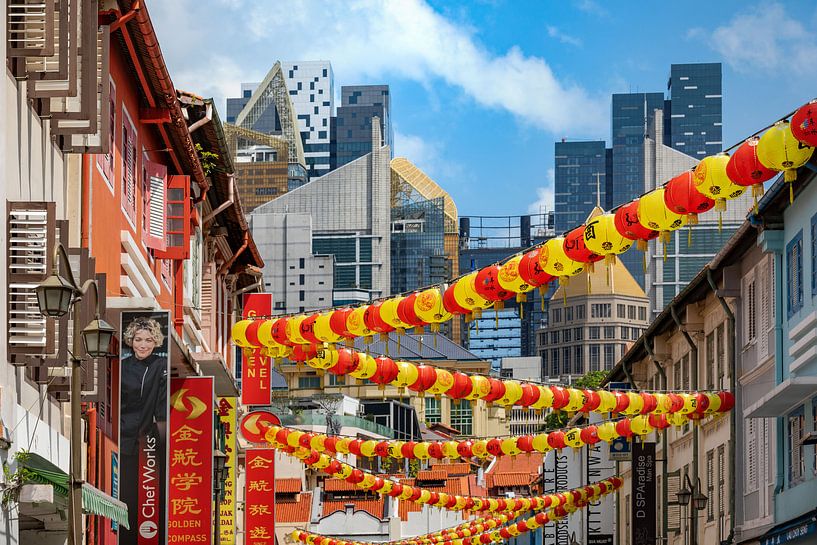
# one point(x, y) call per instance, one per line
point(190, 467)
point(259, 522)
point(256, 372)
point(643, 493)
point(227, 415)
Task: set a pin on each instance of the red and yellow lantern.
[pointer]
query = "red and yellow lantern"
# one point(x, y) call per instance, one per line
point(744, 167)
point(711, 180)
point(629, 226)
point(778, 149)
point(554, 261)
point(602, 238)
point(682, 197)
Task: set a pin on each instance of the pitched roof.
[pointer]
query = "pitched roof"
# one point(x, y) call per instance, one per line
point(287, 486)
point(432, 475)
point(299, 510)
point(376, 508)
point(338, 485)
point(619, 281)
point(453, 469)
point(510, 479)
point(525, 463)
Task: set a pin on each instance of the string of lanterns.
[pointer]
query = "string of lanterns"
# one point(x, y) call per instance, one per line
point(576, 437)
point(785, 146)
point(467, 529)
point(491, 530)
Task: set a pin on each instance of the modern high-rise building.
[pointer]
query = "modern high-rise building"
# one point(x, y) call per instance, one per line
point(268, 122)
point(312, 91)
point(695, 109)
point(580, 173)
point(352, 128)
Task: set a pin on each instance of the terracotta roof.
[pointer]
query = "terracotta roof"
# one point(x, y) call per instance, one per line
point(373, 507)
point(457, 469)
point(299, 510)
point(454, 485)
point(526, 463)
point(287, 486)
point(510, 479)
point(433, 474)
point(338, 485)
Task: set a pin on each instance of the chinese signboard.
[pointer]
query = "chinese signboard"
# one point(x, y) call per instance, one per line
point(255, 368)
point(143, 394)
point(254, 425)
point(227, 415)
point(190, 467)
point(259, 507)
point(643, 493)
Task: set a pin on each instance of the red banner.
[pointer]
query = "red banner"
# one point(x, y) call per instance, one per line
point(255, 368)
point(190, 467)
point(259, 498)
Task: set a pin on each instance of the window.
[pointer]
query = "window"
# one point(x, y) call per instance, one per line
point(578, 333)
point(462, 418)
point(635, 333)
point(177, 214)
point(721, 480)
point(105, 160)
point(750, 454)
point(676, 378)
point(797, 465)
point(594, 357)
point(557, 315)
point(336, 380)
point(566, 335)
point(543, 339)
point(580, 312)
point(720, 357)
point(434, 413)
point(710, 484)
point(301, 295)
point(566, 353)
point(301, 279)
point(609, 356)
point(554, 337)
point(569, 314)
point(578, 359)
point(128, 167)
point(642, 314)
point(749, 315)
point(685, 373)
point(625, 333)
point(309, 383)
point(621, 310)
point(609, 332)
point(154, 204)
point(600, 310)
point(595, 332)
point(710, 361)
point(554, 362)
point(794, 274)
point(301, 262)
point(631, 312)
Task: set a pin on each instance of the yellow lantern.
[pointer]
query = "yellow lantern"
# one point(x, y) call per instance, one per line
point(388, 313)
point(318, 442)
point(324, 358)
point(294, 437)
point(355, 323)
point(443, 499)
point(396, 449)
point(425, 495)
point(493, 505)
point(421, 451)
point(509, 447)
point(711, 180)
point(481, 387)
point(540, 443)
point(690, 404)
point(428, 306)
point(273, 348)
point(444, 382)
point(239, 333)
point(677, 419)
point(640, 425)
point(554, 261)
point(576, 400)
point(509, 278)
point(467, 297)
point(778, 149)
point(663, 403)
point(342, 445)
point(635, 405)
point(607, 401)
point(607, 432)
point(714, 403)
point(513, 392)
point(345, 471)
point(366, 368)
point(269, 435)
point(573, 438)
point(406, 493)
point(450, 450)
point(513, 530)
point(480, 448)
point(293, 329)
point(406, 374)
point(601, 237)
point(367, 482)
point(323, 331)
point(545, 400)
point(654, 214)
point(367, 448)
point(387, 487)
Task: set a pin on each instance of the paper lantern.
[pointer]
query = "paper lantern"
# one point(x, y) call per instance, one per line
point(356, 324)
point(556, 440)
point(324, 358)
point(662, 403)
point(510, 280)
point(443, 383)
point(727, 401)
point(649, 402)
point(367, 448)
point(323, 330)
point(513, 391)
point(366, 368)
point(461, 386)
point(306, 440)
point(628, 224)
point(592, 401)
point(406, 374)
point(744, 167)
point(387, 371)
point(347, 362)
point(573, 438)
point(480, 388)
point(435, 450)
point(654, 214)
point(531, 271)
point(381, 449)
point(487, 285)
point(682, 197)
point(602, 238)
point(553, 261)
point(576, 249)
point(804, 124)
point(509, 447)
point(239, 333)
point(337, 322)
point(426, 377)
point(778, 149)
point(676, 402)
point(711, 180)
point(450, 301)
point(406, 312)
point(525, 443)
point(464, 449)
point(302, 352)
point(421, 451)
point(388, 313)
point(545, 400)
point(274, 348)
point(658, 421)
point(354, 446)
point(496, 391)
point(407, 450)
point(530, 394)
point(467, 297)
point(494, 447)
point(634, 405)
point(576, 400)
point(480, 448)
point(307, 328)
point(590, 435)
point(374, 321)
point(623, 428)
point(561, 397)
point(640, 425)
point(293, 329)
point(450, 450)
point(429, 307)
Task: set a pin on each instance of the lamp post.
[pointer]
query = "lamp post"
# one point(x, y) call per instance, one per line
point(219, 467)
point(692, 494)
point(56, 295)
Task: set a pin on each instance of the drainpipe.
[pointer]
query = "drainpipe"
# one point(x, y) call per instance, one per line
point(628, 375)
point(245, 289)
point(780, 477)
point(694, 378)
point(730, 333)
point(226, 204)
point(229, 263)
point(208, 116)
point(125, 18)
point(648, 346)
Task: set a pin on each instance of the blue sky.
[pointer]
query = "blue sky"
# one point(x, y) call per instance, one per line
point(482, 89)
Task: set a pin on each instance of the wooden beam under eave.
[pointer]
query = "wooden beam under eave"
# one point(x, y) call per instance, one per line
point(154, 115)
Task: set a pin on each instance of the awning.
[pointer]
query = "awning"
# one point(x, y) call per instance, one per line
point(38, 470)
point(785, 397)
point(791, 531)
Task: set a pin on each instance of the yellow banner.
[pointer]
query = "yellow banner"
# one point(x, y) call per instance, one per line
point(226, 511)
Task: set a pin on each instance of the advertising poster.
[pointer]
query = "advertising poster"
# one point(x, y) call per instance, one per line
point(643, 495)
point(144, 364)
point(227, 415)
point(259, 508)
point(256, 372)
point(190, 470)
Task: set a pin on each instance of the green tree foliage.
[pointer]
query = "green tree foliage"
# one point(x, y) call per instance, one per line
point(592, 379)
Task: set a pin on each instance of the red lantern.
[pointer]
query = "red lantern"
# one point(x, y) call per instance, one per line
point(307, 328)
point(281, 436)
point(804, 124)
point(279, 332)
point(450, 302)
point(682, 197)
point(560, 397)
point(305, 439)
point(434, 498)
point(556, 440)
point(658, 421)
point(650, 402)
point(497, 390)
point(676, 403)
point(531, 272)
point(702, 403)
point(426, 377)
point(356, 476)
point(408, 449)
point(378, 483)
point(530, 394)
point(435, 450)
point(494, 447)
point(329, 444)
point(525, 443)
point(251, 333)
point(386, 372)
point(415, 494)
point(576, 249)
point(395, 491)
point(372, 319)
point(337, 322)
point(522, 526)
point(622, 402)
point(464, 449)
point(347, 362)
point(452, 501)
point(744, 168)
point(626, 221)
point(405, 311)
point(541, 518)
point(727, 401)
point(501, 504)
point(333, 467)
point(589, 435)
point(487, 285)
point(354, 446)
point(623, 428)
point(505, 533)
point(462, 386)
point(382, 449)
point(592, 403)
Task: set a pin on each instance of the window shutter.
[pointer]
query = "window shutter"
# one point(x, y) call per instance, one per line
point(765, 317)
point(129, 168)
point(30, 228)
point(177, 227)
point(710, 485)
point(751, 455)
point(155, 203)
point(673, 509)
point(721, 480)
point(30, 28)
point(208, 303)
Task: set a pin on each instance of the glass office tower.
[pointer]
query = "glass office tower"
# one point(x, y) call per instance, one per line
point(696, 109)
point(353, 123)
point(576, 166)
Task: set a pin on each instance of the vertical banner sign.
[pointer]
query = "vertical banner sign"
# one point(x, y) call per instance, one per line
point(227, 415)
point(259, 506)
point(190, 471)
point(643, 494)
point(144, 365)
point(255, 368)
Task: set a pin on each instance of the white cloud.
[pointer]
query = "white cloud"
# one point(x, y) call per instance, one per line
point(544, 196)
point(428, 156)
point(592, 7)
point(366, 40)
point(554, 32)
point(763, 39)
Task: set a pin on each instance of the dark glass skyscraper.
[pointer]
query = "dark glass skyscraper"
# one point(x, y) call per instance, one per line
point(353, 124)
point(577, 164)
point(696, 112)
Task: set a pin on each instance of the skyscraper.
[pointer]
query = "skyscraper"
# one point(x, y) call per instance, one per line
point(353, 124)
point(577, 164)
point(695, 109)
point(312, 90)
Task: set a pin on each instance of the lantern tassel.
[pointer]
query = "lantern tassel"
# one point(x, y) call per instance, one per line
point(589, 285)
point(521, 311)
point(644, 261)
point(720, 221)
point(689, 236)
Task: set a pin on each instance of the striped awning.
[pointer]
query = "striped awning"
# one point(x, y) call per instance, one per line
point(94, 501)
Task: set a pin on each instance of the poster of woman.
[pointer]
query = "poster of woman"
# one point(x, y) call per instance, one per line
point(143, 386)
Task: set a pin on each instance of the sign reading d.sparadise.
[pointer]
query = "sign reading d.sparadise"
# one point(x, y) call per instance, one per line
point(643, 496)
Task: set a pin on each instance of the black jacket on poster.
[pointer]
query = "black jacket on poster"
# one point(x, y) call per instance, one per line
point(143, 399)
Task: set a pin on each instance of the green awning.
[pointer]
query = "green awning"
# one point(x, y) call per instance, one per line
point(94, 502)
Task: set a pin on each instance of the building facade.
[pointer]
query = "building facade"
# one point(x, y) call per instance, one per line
point(694, 109)
point(353, 124)
point(581, 182)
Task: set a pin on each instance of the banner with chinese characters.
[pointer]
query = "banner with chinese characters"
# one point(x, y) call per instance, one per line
point(190, 470)
point(256, 373)
point(259, 506)
point(143, 394)
point(227, 415)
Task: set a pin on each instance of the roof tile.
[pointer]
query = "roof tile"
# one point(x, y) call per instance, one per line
point(299, 510)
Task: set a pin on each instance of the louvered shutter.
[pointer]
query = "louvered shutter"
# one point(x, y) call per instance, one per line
point(30, 28)
point(752, 452)
point(30, 228)
point(177, 227)
point(155, 205)
point(765, 316)
point(208, 303)
point(673, 509)
point(129, 168)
